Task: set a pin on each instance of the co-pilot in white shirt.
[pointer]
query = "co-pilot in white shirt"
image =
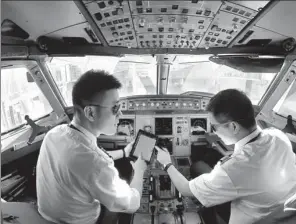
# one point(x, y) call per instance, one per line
point(258, 178)
point(74, 177)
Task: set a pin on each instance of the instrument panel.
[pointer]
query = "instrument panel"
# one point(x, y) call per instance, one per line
point(175, 132)
point(178, 122)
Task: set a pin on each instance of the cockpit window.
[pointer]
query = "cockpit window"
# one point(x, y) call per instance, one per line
point(197, 73)
point(19, 97)
point(286, 105)
point(137, 74)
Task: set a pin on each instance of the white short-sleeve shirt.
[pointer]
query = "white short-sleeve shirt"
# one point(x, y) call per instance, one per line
point(258, 177)
point(74, 177)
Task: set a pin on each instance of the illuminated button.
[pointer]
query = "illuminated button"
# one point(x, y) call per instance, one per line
point(152, 104)
point(137, 104)
point(157, 104)
point(190, 104)
point(184, 104)
point(143, 104)
point(130, 104)
point(177, 104)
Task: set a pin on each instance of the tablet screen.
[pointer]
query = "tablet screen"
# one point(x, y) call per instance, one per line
point(145, 145)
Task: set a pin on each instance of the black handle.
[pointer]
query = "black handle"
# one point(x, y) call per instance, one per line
point(152, 209)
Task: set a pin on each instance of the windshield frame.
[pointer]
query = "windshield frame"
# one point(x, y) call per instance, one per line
point(35, 67)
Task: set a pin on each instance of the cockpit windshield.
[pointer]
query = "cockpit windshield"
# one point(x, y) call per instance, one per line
point(197, 73)
point(138, 75)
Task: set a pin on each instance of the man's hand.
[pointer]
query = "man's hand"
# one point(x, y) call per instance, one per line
point(140, 164)
point(128, 148)
point(163, 156)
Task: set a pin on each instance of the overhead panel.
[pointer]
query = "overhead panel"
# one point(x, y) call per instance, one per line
point(228, 22)
point(154, 24)
point(172, 24)
point(179, 24)
point(183, 32)
point(115, 22)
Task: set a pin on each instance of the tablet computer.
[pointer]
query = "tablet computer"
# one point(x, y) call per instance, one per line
point(144, 143)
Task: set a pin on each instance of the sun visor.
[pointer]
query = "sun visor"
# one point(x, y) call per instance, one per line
point(9, 28)
point(251, 65)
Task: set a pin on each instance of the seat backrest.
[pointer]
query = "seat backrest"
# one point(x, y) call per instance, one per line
point(290, 204)
point(24, 213)
point(279, 216)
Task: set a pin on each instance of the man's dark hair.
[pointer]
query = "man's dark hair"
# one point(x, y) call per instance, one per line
point(233, 105)
point(91, 83)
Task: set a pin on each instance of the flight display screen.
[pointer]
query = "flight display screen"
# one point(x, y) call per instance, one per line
point(125, 127)
point(164, 126)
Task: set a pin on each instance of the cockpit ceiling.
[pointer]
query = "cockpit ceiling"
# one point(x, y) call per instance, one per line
point(155, 24)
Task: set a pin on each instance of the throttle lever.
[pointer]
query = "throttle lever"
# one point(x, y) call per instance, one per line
point(152, 209)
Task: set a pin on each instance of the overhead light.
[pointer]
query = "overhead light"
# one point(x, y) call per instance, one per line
point(142, 22)
point(235, 27)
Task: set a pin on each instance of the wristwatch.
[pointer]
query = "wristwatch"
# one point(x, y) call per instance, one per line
point(167, 167)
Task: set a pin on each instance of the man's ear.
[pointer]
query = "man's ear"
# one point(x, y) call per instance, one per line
point(89, 113)
point(235, 127)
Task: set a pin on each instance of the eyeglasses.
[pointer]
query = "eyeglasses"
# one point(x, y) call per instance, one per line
point(215, 126)
point(114, 108)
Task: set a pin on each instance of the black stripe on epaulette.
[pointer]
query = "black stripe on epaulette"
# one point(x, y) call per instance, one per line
point(225, 159)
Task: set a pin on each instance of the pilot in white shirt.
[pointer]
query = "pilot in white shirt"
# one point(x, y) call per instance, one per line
point(257, 178)
point(74, 175)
